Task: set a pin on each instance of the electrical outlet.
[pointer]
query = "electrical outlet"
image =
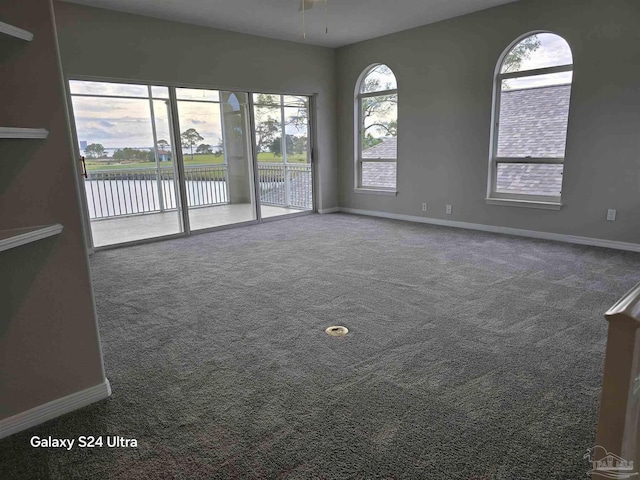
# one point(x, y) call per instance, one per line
point(448, 209)
point(611, 215)
point(424, 207)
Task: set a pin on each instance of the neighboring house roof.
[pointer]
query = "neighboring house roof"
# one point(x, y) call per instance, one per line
point(529, 179)
point(379, 174)
point(533, 122)
point(387, 149)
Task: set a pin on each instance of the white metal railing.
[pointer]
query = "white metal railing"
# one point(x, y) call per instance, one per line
point(285, 185)
point(114, 193)
point(207, 185)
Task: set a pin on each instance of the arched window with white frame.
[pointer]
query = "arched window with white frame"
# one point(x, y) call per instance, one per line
point(532, 92)
point(377, 130)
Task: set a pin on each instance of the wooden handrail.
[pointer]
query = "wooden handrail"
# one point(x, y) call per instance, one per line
point(628, 306)
point(618, 415)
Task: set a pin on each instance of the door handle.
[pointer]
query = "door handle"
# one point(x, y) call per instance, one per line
point(84, 167)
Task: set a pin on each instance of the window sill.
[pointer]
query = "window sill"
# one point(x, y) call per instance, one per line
point(375, 191)
point(509, 202)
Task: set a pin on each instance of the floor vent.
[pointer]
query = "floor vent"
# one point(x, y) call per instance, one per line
point(337, 331)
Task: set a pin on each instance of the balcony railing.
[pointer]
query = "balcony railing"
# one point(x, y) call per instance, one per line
point(116, 193)
point(285, 185)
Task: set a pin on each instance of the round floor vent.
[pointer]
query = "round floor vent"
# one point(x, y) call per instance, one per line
point(337, 331)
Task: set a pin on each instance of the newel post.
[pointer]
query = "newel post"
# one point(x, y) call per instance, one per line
point(618, 416)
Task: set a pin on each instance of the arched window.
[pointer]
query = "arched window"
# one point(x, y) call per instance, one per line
point(377, 129)
point(531, 107)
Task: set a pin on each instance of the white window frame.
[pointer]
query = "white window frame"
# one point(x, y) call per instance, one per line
point(518, 199)
point(359, 133)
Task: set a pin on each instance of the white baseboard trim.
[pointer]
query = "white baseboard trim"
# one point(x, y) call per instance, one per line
point(53, 409)
point(594, 242)
point(329, 210)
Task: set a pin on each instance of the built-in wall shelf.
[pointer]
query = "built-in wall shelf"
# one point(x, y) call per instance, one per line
point(21, 236)
point(11, 132)
point(15, 32)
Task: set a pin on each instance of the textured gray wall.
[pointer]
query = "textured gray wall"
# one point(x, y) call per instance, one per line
point(103, 43)
point(445, 74)
point(48, 334)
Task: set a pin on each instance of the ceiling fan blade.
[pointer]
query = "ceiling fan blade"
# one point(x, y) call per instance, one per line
point(307, 4)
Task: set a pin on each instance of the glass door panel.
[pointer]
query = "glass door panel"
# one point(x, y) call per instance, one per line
point(130, 186)
point(283, 154)
point(217, 160)
point(137, 146)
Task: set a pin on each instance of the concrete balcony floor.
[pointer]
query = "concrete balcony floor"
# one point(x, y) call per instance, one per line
point(111, 231)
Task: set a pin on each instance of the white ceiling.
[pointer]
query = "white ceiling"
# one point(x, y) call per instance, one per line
point(350, 21)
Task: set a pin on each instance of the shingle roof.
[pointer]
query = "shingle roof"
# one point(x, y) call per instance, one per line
point(533, 122)
point(530, 179)
point(379, 174)
point(387, 149)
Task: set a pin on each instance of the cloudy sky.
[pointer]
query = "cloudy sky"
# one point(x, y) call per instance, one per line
point(553, 51)
point(114, 122)
point(126, 122)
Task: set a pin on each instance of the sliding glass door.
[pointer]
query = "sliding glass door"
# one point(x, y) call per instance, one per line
point(124, 132)
point(282, 139)
point(164, 161)
point(216, 153)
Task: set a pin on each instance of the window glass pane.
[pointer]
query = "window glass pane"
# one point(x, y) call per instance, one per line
point(542, 50)
point(378, 79)
point(295, 100)
point(382, 148)
point(533, 81)
point(379, 174)
point(232, 100)
point(266, 99)
point(197, 94)
point(296, 128)
point(235, 132)
point(529, 179)
point(201, 132)
point(163, 133)
point(116, 131)
point(379, 126)
point(107, 88)
point(268, 133)
point(533, 122)
point(123, 179)
point(160, 92)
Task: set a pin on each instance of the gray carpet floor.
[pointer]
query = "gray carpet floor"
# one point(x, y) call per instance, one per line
point(470, 356)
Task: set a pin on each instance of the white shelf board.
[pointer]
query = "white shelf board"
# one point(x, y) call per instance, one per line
point(12, 132)
point(21, 236)
point(15, 32)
